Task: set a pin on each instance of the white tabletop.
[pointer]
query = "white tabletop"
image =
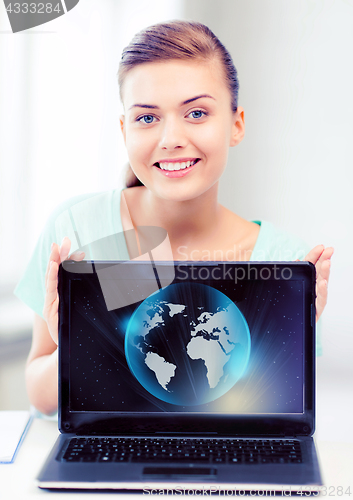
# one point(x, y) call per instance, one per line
point(334, 442)
point(17, 479)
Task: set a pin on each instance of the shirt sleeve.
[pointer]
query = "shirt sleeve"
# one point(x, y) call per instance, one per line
point(31, 288)
point(92, 222)
point(274, 244)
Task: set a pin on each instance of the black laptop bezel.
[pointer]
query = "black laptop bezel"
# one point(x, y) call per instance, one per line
point(235, 425)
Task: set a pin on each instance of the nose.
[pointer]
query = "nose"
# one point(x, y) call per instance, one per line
point(172, 134)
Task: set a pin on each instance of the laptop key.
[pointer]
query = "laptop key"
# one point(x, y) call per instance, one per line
point(217, 451)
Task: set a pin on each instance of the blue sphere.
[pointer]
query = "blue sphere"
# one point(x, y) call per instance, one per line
point(187, 344)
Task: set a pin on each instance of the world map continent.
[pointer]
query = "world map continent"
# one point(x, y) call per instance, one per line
point(210, 341)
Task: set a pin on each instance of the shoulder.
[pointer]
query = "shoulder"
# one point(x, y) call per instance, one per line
point(86, 201)
point(86, 216)
point(89, 221)
point(276, 244)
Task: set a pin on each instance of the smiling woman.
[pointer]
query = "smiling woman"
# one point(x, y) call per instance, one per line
point(179, 41)
point(179, 91)
point(189, 119)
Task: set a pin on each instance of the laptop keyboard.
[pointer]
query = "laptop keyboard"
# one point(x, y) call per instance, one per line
point(176, 450)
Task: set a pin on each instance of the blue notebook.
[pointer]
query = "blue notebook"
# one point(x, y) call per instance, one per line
point(13, 428)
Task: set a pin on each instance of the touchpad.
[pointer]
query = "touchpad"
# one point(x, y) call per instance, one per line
point(179, 472)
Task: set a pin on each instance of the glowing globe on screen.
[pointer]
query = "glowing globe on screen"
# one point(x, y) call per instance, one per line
point(187, 344)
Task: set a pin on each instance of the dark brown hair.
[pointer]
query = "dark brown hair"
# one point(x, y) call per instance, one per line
point(176, 40)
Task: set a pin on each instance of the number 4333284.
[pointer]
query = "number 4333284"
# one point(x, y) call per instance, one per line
point(34, 8)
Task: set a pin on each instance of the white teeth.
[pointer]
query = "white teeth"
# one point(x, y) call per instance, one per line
point(177, 166)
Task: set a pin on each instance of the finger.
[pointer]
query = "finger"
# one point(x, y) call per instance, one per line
point(321, 298)
point(55, 257)
point(48, 266)
point(51, 289)
point(324, 270)
point(77, 256)
point(329, 252)
point(314, 254)
point(51, 301)
point(65, 249)
point(324, 263)
point(326, 254)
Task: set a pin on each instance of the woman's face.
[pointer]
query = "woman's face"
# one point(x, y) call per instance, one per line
point(178, 126)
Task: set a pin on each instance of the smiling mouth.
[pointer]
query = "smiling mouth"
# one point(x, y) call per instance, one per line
point(173, 166)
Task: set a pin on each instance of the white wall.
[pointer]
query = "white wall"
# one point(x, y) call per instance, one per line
point(59, 136)
point(59, 132)
point(59, 114)
point(295, 165)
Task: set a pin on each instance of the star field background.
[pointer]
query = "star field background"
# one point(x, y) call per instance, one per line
point(100, 379)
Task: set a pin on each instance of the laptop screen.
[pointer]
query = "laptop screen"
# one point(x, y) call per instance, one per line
point(195, 338)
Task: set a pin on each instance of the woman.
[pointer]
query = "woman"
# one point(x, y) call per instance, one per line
point(179, 89)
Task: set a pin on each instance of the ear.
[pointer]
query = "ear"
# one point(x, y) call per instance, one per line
point(122, 126)
point(238, 127)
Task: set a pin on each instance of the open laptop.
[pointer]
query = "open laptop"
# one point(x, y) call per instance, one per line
point(176, 376)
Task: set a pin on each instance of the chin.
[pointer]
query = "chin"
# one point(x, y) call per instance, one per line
point(182, 194)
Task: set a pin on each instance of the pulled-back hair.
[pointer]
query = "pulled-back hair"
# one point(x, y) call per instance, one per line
point(185, 40)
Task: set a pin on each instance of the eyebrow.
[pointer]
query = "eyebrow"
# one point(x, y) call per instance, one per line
point(197, 97)
point(188, 101)
point(148, 106)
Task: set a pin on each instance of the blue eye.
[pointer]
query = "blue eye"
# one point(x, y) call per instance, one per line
point(146, 119)
point(197, 114)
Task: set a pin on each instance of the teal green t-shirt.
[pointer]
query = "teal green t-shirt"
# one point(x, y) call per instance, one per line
point(90, 220)
point(86, 220)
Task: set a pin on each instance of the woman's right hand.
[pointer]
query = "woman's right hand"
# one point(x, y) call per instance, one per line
point(51, 301)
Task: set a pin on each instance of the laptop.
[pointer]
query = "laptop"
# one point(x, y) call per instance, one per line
point(185, 376)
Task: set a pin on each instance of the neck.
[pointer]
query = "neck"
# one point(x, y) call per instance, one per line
point(188, 223)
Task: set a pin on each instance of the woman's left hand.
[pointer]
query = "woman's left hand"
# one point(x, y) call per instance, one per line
point(321, 258)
